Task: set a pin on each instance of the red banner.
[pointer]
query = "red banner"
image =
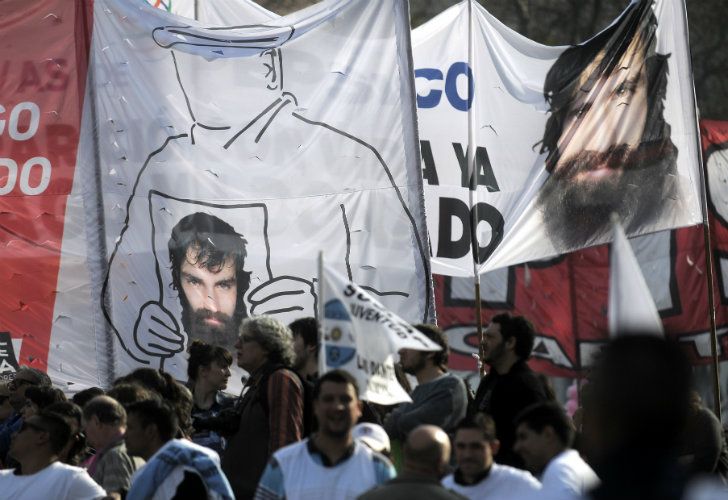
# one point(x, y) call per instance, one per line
point(43, 62)
point(566, 298)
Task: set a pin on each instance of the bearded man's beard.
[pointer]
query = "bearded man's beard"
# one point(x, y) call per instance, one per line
point(224, 334)
point(578, 212)
point(418, 365)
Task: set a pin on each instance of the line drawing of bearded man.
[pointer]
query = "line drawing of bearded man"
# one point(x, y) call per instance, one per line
point(609, 146)
point(223, 150)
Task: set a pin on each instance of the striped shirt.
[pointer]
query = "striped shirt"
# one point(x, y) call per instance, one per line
point(285, 409)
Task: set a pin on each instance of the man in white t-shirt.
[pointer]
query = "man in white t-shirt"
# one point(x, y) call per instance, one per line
point(331, 464)
point(544, 436)
point(41, 475)
point(477, 475)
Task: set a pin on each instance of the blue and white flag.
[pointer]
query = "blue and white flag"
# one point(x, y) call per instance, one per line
point(362, 337)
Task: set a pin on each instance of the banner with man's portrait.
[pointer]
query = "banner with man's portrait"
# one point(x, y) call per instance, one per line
point(231, 156)
point(562, 137)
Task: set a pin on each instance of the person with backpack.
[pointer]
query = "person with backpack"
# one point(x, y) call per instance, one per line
point(271, 407)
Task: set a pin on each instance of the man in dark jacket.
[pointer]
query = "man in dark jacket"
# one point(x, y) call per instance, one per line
point(510, 385)
point(271, 408)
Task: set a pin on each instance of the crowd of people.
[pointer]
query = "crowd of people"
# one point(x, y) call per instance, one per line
point(641, 431)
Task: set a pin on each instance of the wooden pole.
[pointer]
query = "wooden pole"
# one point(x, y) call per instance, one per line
point(473, 194)
point(710, 280)
point(711, 314)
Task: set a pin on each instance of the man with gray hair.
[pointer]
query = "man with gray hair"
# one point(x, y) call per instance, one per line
point(111, 467)
point(271, 405)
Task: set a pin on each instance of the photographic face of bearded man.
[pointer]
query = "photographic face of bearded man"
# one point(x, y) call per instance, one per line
point(210, 299)
point(614, 153)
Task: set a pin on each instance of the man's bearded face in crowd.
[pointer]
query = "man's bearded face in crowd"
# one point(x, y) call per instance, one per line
point(208, 311)
point(604, 165)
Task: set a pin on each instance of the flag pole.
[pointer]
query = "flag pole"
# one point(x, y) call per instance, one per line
point(711, 311)
point(710, 282)
point(320, 315)
point(472, 196)
point(709, 276)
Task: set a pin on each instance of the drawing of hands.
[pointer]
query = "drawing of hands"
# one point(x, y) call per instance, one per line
point(286, 297)
point(156, 332)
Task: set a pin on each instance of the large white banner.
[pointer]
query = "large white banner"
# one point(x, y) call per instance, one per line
point(362, 337)
point(231, 156)
point(563, 136)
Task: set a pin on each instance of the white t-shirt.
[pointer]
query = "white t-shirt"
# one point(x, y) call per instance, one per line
point(304, 479)
point(567, 476)
point(58, 481)
point(502, 482)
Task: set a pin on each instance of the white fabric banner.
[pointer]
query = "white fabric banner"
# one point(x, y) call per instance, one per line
point(564, 136)
point(631, 307)
point(232, 156)
point(362, 337)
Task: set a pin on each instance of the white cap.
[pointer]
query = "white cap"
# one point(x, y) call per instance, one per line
point(373, 435)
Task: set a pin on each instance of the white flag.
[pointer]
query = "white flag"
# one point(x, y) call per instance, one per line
point(631, 307)
point(362, 337)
